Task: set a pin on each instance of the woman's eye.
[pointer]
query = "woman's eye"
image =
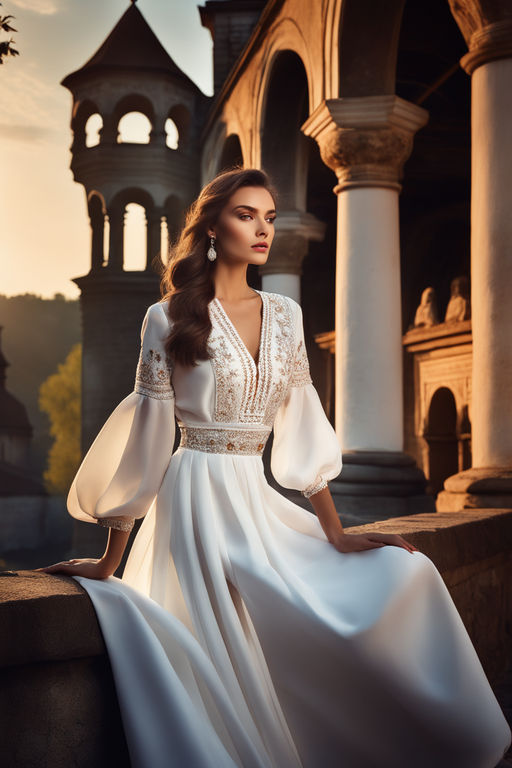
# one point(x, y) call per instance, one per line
point(271, 219)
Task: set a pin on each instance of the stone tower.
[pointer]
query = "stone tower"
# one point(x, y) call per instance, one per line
point(130, 72)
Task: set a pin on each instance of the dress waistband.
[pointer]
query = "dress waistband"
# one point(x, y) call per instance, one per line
point(237, 440)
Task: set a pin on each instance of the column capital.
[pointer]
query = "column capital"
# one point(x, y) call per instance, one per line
point(365, 140)
point(488, 43)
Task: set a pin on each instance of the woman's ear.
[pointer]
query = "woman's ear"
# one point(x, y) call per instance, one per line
point(211, 233)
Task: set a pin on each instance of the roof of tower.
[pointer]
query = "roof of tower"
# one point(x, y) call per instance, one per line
point(131, 45)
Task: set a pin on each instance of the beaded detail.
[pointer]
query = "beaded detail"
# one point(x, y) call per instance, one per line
point(318, 485)
point(301, 373)
point(153, 377)
point(224, 439)
point(119, 523)
point(246, 392)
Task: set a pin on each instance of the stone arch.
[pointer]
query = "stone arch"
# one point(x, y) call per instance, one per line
point(442, 439)
point(136, 124)
point(134, 102)
point(92, 130)
point(283, 145)
point(231, 153)
point(180, 116)
point(83, 110)
point(116, 212)
point(287, 37)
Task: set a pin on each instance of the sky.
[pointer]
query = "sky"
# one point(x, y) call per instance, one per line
point(44, 229)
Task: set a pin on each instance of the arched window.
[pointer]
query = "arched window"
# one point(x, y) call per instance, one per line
point(134, 237)
point(92, 130)
point(172, 134)
point(134, 128)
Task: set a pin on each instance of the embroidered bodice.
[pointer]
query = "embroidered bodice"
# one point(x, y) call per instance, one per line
point(225, 404)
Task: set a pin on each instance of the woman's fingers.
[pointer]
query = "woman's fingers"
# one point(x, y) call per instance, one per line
point(62, 566)
point(394, 539)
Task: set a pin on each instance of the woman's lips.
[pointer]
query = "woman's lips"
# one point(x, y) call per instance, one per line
point(260, 247)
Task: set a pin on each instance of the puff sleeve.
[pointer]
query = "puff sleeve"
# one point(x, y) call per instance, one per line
point(121, 473)
point(306, 452)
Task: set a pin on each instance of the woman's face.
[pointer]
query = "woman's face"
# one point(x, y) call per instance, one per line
point(246, 220)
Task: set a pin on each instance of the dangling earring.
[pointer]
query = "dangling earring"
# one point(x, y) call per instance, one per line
point(212, 253)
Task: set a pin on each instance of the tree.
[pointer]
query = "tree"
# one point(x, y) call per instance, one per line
point(6, 48)
point(60, 398)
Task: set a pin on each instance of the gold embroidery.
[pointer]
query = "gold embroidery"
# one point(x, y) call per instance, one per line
point(301, 373)
point(246, 392)
point(224, 439)
point(318, 485)
point(153, 375)
point(119, 523)
point(280, 355)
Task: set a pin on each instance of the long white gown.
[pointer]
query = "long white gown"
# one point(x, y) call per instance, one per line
point(238, 635)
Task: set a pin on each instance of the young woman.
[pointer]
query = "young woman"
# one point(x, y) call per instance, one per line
point(245, 630)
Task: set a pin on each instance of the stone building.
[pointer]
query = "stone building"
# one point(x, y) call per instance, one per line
point(385, 127)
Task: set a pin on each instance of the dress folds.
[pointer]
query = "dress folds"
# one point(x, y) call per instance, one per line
point(238, 635)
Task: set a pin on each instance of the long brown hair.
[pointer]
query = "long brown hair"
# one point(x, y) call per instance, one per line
point(187, 281)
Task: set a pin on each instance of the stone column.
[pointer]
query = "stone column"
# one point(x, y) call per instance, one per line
point(366, 141)
point(153, 237)
point(489, 63)
point(116, 244)
point(97, 234)
point(283, 269)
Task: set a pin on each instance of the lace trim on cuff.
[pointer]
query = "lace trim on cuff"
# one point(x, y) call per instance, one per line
point(153, 376)
point(116, 522)
point(318, 485)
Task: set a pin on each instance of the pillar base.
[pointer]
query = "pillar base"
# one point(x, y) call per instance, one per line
point(377, 485)
point(477, 488)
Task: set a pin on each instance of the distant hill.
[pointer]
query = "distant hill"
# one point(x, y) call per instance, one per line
point(37, 335)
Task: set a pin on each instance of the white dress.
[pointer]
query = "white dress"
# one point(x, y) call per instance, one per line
point(238, 635)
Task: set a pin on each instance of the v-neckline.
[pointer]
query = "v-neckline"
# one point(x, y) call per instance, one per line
point(242, 343)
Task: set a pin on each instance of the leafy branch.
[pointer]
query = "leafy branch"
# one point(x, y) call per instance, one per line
point(6, 46)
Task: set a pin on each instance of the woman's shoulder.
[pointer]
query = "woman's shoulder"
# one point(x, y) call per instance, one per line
point(158, 312)
point(284, 302)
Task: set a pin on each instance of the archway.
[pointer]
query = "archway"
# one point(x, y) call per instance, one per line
point(93, 127)
point(441, 437)
point(134, 128)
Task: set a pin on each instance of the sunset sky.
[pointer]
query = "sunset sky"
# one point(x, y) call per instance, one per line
point(44, 230)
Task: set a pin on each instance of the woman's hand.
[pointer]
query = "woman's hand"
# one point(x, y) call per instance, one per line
point(91, 567)
point(356, 542)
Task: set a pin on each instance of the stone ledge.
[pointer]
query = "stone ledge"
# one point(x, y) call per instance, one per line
point(452, 539)
point(45, 617)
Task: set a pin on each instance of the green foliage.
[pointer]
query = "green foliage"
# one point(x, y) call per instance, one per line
point(60, 398)
point(6, 48)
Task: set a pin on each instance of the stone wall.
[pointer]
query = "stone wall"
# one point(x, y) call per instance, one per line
point(57, 701)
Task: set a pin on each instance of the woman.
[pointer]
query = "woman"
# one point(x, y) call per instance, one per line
point(245, 630)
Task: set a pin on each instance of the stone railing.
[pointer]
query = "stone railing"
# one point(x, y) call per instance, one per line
point(58, 699)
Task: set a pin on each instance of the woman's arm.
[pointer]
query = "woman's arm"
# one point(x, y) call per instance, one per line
point(95, 568)
point(325, 510)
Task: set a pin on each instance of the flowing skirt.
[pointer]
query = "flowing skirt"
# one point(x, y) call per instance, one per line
point(239, 636)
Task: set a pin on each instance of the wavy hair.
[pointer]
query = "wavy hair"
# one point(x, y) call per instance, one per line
point(187, 281)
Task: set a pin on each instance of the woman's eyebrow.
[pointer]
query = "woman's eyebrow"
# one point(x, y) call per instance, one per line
point(254, 210)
